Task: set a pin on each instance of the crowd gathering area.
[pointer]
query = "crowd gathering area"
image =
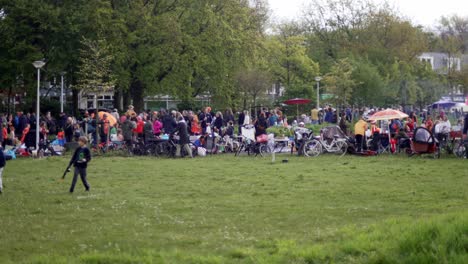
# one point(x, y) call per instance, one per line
point(187, 133)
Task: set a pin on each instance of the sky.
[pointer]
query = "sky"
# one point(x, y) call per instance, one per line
point(421, 12)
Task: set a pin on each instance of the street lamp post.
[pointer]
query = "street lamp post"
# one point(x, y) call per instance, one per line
point(38, 65)
point(318, 79)
point(61, 93)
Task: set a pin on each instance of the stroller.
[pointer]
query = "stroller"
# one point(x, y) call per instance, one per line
point(423, 142)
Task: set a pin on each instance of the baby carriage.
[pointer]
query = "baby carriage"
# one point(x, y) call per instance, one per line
point(423, 142)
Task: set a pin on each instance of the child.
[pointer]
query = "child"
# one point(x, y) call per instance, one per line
point(80, 160)
point(61, 137)
point(76, 131)
point(2, 165)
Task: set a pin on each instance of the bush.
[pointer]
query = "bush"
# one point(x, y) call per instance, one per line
point(280, 131)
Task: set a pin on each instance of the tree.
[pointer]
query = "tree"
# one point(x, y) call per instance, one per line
point(289, 63)
point(253, 83)
point(339, 81)
point(95, 73)
point(369, 84)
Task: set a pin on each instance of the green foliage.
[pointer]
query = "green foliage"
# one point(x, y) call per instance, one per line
point(369, 84)
point(280, 131)
point(289, 62)
point(95, 67)
point(339, 81)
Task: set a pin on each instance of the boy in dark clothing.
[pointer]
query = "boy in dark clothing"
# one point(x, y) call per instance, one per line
point(2, 165)
point(80, 160)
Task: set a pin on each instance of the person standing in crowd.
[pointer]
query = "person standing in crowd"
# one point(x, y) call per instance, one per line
point(139, 127)
point(240, 120)
point(261, 124)
point(2, 125)
point(465, 134)
point(359, 131)
point(168, 122)
point(127, 131)
point(342, 123)
point(228, 116)
point(273, 119)
point(130, 112)
point(410, 125)
point(4, 132)
point(148, 131)
point(2, 166)
point(328, 115)
point(429, 124)
point(157, 126)
point(314, 116)
point(246, 118)
point(184, 138)
point(195, 128)
point(205, 119)
point(62, 120)
point(218, 122)
point(104, 129)
point(349, 115)
point(68, 129)
point(115, 114)
point(413, 117)
point(80, 160)
point(51, 124)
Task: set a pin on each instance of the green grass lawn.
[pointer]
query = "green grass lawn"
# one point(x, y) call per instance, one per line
point(224, 209)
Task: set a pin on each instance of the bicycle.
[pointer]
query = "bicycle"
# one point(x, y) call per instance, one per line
point(460, 149)
point(252, 147)
point(318, 145)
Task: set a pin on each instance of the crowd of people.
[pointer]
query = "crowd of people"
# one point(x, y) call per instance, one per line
point(20, 129)
point(147, 125)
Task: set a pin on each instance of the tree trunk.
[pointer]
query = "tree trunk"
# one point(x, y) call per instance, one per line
point(10, 91)
point(136, 89)
point(75, 101)
point(125, 99)
point(117, 96)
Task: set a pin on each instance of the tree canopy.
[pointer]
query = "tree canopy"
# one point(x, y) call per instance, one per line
point(368, 53)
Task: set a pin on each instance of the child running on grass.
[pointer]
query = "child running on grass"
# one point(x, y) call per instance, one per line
point(80, 160)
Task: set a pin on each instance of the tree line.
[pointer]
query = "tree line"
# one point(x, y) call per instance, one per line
point(367, 53)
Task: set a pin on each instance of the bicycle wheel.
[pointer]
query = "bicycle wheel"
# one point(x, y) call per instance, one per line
point(312, 148)
point(437, 153)
point(460, 150)
point(240, 148)
point(264, 150)
point(342, 148)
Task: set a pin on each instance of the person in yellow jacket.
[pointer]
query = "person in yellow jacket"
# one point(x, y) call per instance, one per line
point(359, 132)
point(314, 116)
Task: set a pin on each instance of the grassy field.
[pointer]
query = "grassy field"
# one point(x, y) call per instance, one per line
point(222, 209)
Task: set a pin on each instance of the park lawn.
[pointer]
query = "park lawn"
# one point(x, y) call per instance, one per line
point(223, 209)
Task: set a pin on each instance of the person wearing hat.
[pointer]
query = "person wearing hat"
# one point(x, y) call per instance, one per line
point(130, 112)
point(115, 114)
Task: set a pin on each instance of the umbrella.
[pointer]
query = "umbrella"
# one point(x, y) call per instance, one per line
point(297, 102)
point(388, 114)
point(110, 117)
point(443, 104)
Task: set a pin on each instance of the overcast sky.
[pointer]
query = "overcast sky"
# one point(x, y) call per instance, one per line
point(424, 12)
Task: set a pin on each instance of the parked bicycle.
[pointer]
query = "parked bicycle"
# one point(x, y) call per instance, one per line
point(330, 140)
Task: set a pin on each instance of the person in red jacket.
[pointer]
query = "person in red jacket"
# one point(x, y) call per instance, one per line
point(138, 131)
